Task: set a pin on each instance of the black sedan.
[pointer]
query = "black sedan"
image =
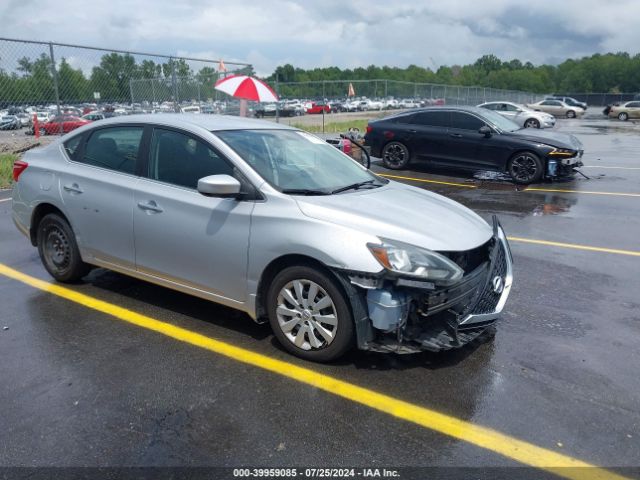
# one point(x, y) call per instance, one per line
point(472, 138)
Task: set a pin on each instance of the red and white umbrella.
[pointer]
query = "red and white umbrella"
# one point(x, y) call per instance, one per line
point(248, 88)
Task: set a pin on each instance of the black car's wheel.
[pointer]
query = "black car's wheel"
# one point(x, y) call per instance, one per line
point(624, 116)
point(525, 168)
point(309, 314)
point(59, 251)
point(395, 155)
point(532, 123)
point(571, 114)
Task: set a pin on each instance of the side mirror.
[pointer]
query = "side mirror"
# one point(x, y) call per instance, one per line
point(485, 130)
point(224, 186)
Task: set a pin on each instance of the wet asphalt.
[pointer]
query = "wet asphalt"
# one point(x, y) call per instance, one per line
point(79, 388)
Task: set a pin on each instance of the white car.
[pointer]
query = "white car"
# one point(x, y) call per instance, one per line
point(521, 115)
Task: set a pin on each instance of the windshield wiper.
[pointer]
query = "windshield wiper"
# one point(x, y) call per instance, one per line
point(304, 191)
point(356, 186)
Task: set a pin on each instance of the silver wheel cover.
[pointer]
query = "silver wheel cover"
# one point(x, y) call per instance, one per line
point(306, 315)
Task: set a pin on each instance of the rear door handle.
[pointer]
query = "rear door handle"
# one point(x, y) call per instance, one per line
point(73, 188)
point(455, 135)
point(150, 206)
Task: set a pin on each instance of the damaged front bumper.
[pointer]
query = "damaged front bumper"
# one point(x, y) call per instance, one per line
point(406, 316)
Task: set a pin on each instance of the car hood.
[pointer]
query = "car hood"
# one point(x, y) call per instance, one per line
point(404, 213)
point(555, 139)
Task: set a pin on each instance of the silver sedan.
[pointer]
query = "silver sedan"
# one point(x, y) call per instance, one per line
point(269, 220)
point(521, 115)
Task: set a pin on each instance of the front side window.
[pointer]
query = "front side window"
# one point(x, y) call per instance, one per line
point(464, 121)
point(114, 148)
point(180, 159)
point(297, 162)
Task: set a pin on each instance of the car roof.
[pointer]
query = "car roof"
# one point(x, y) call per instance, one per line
point(457, 108)
point(208, 122)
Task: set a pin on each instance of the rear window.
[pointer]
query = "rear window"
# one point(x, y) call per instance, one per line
point(71, 146)
point(432, 119)
point(114, 148)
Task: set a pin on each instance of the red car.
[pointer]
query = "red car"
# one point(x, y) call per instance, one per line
point(69, 122)
point(316, 107)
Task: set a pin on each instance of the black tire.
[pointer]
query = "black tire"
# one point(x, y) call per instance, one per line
point(525, 168)
point(59, 251)
point(343, 330)
point(395, 155)
point(624, 116)
point(531, 123)
point(571, 114)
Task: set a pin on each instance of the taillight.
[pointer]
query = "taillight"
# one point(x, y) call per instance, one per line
point(369, 128)
point(19, 166)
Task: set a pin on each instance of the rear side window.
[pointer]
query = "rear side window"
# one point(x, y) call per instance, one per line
point(71, 146)
point(432, 119)
point(180, 159)
point(491, 106)
point(633, 105)
point(114, 148)
point(464, 121)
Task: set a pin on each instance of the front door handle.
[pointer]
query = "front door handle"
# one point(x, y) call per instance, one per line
point(150, 206)
point(73, 188)
point(455, 135)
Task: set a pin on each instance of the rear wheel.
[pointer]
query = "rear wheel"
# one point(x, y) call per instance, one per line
point(525, 168)
point(532, 123)
point(59, 251)
point(571, 114)
point(624, 116)
point(395, 155)
point(309, 314)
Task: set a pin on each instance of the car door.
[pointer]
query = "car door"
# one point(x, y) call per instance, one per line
point(465, 141)
point(97, 188)
point(633, 108)
point(182, 236)
point(426, 134)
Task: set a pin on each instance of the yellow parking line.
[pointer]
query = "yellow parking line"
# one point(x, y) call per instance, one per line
point(427, 181)
point(537, 189)
point(483, 437)
point(575, 246)
point(613, 167)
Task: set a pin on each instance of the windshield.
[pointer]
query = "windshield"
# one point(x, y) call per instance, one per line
point(498, 121)
point(297, 162)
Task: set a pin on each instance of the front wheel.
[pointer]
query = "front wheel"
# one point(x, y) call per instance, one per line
point(395, 155)
point(59, 251)
point(571, 114)
point(623, 116)
point(309, 314)
point(525, 168)
point(532, 123)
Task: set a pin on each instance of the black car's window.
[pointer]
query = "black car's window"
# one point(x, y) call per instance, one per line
point(71, 146)
point(432, 119)
point(115, 148)
point(405, 119)
point(465, 121)
point(182, 160)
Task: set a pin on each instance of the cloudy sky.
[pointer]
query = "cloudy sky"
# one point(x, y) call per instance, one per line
point(345, 33)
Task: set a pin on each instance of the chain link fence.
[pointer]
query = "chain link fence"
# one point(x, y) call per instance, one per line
point(52, 79)
point(385, 89)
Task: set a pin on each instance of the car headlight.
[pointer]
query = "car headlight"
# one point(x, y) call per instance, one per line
point(416, 262)
point(562, 152)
